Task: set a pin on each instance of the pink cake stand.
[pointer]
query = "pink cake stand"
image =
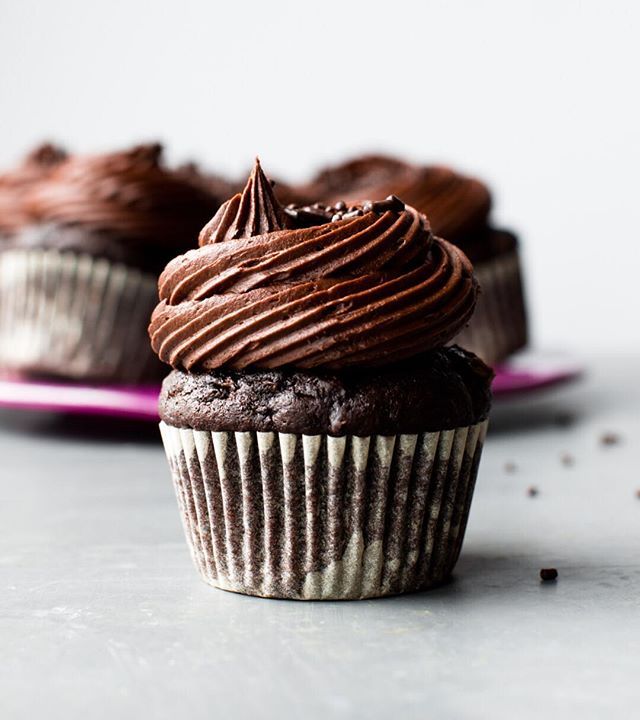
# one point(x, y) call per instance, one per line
point(526, 374)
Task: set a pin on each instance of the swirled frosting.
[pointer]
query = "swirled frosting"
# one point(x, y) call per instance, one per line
point(15, 184)
point(365, 285)
point(129, 195)
point(253, 212)
point(457, 206)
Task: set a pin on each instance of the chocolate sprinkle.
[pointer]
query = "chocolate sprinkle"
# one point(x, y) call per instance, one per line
point(548, 574)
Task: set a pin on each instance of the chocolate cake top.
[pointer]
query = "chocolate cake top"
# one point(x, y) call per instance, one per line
point(443, 389)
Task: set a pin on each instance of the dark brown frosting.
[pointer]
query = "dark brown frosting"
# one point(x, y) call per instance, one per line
point(255, 211)
point(457, 206)
point(15, 185)
point(370, 288)
point(126, 199)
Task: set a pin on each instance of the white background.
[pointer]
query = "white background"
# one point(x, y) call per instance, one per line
point(539, 98)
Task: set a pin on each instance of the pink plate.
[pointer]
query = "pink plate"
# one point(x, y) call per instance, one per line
point(524, 374)
point(533, 371)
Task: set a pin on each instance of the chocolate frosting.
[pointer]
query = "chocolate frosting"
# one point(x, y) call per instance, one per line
point(126, 199)
point(15, 184)
point(457, 206)
point(443, 389)
point(255, 211)
point(370, 288)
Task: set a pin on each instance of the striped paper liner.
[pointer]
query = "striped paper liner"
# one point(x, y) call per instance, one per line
point(319, 517)
point(76, 316)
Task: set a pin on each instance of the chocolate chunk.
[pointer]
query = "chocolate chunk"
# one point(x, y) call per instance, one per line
point(548, 574)
point(307, 216)
point(391, 203)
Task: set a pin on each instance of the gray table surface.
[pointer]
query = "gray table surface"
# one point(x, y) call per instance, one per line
point(103, 616)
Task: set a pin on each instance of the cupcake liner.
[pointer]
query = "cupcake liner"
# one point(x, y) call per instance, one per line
point(321, 517)
point(74, 315)
point(498, 326)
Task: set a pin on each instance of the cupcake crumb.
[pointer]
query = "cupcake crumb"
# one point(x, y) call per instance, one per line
point(609, 438)
point(532, 491)
point(638, 493)
point(567, 459)
point(548, 574)
point(510, 467)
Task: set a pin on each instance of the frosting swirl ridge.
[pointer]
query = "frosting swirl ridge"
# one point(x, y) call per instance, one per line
point(364, 290)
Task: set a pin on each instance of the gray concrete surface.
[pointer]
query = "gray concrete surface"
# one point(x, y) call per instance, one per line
point(103, 616)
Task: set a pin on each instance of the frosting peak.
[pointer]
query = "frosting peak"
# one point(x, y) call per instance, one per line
point(255, 211)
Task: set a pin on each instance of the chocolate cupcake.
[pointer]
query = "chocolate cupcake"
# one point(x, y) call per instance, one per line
point(458, 209)
point(78, 281)
point(322, 440)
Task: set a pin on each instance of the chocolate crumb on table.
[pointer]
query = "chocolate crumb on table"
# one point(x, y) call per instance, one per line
point(567, 459)
point(532, 491)
point(510, 467)
point(609, 438)
point(548, 574)
point(638, 493)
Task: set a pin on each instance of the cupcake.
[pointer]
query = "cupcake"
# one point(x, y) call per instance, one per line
point(322, 438)
point(15, 185)
point(458, 209)
point(78, 280)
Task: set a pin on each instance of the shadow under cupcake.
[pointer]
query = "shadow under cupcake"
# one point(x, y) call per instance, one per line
point(323, 441)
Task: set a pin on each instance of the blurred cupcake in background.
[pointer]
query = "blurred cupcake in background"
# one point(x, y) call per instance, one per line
point(323, 439)
point(458, 209)
point(16, 183)
point(78, 280)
